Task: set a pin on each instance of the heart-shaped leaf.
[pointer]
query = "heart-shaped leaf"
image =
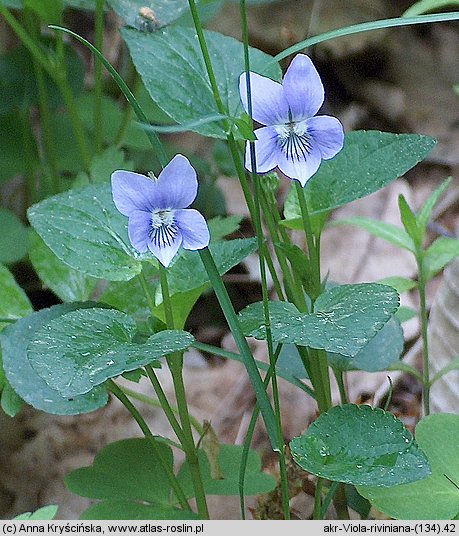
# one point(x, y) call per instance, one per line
point(130, 478)
point(368, 161)
point(68, 284)
point(171, 66)
point(437, 496)
point(344, 320)
point(362, 446)
point(23, 378)
point(379, 353)
point(84, 348)
point(83, 228)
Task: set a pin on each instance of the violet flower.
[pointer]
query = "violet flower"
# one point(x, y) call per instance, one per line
point(158, 218)
point(294, 139)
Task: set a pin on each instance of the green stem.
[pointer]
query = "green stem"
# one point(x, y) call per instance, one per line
point(99, 42)
point(425, 338)
point(248, 441)
point(339, 375)
point(206, 56)
point(241, 342)
point(264, 285)
point(164, 402)
point(340, 502)
point(317, 513)
point(175, 484)
point(310, 240)
point(158, 403)
point(45, 117)
point(175, 363)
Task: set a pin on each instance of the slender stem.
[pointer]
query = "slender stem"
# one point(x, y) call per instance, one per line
point(146, 289)
point(264, 286)
point(164, 402)
point(175, 363)
point(317, 513)
point(45, 116)
point(99, 42)
point(424, 333)
point(175, 484)
point(241, 342)
point(249, 436)
point(206, 56)
point(340, 502)
point(309, 239)
point(158, 403)
point(339, 375)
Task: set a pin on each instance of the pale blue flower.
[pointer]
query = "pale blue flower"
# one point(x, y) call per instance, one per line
point(294, 139)
point(159, 220)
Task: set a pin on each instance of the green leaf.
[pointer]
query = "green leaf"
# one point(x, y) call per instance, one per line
point(409, 221)
point(187, 281)
point(369, 161)
point(117, 509)
point(125, 470)
point(84, 348)
point(10, 402)
point(161, 12)
point(344, 320)
point(442, 251)
point(49, 11)
point(425, 213)
point(13, 239)
point(188, 272)
point(436, 497)
point(26, 382)
point(405, 313)
point(68, 284)
point(83, 228)
point(42, 514)
point(220, 226)
point(379, 353)
point(362, 446)
point(387, 231)
point(14, 303)
point(172, 68)
point(130, 479)
point(400, 284)
point(228, 460)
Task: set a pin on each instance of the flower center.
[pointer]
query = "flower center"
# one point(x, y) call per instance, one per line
point(294, 140)
point(163, 228)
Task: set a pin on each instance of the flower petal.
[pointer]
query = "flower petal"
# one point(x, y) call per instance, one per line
point(269, 106)
point(193, 228)
point(301, 169)
point(266, 150)
point(166, 253)
point(303, 88)
point(327, 132)
point(138, 229)
point(177, 184)
point(132, 191)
